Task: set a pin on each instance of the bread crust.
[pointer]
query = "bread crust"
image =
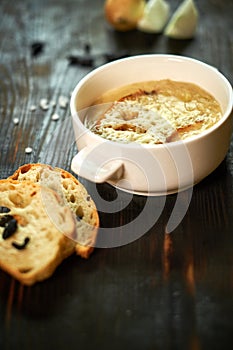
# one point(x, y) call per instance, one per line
point(43, 221)
point(75, 196)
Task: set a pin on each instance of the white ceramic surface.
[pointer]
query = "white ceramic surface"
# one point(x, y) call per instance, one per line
point(146, 169)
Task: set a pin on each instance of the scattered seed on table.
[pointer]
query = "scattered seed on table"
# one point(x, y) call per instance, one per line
point(44, 104)
point(28, 150)
point(32, 108)
point(16, 121)
point(85, 61)
point(55, 116)
point(37, 48)
point(63, 101)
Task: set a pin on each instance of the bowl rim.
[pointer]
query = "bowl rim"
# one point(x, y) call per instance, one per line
point(194, 138)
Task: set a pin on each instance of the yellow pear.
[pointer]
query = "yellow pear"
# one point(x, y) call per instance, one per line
point(123, 15)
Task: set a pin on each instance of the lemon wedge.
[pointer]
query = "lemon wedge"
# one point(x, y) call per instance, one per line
point(155, 16)
point(183, 23)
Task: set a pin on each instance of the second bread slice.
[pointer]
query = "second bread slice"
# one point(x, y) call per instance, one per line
point(74, 196)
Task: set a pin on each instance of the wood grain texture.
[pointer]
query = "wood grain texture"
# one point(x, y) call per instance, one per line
point(160, 291)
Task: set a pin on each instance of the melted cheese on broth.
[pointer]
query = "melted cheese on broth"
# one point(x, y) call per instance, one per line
point(155, 112)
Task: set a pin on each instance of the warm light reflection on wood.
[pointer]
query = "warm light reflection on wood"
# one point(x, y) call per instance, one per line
point(10, 302)
point(167, 253)
point(190, 278)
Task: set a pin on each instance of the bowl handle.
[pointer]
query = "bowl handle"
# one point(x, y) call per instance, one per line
point(87, 165)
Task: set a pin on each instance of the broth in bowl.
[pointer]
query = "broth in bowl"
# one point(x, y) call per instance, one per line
point(154, 112)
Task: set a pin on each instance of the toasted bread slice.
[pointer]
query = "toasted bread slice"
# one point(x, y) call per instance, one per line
point(34, 230)
point(74, 196)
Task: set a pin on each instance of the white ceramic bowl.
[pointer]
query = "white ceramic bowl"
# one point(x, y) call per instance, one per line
point(150, 169)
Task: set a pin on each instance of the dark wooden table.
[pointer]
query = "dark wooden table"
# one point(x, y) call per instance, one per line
point(160, 291)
